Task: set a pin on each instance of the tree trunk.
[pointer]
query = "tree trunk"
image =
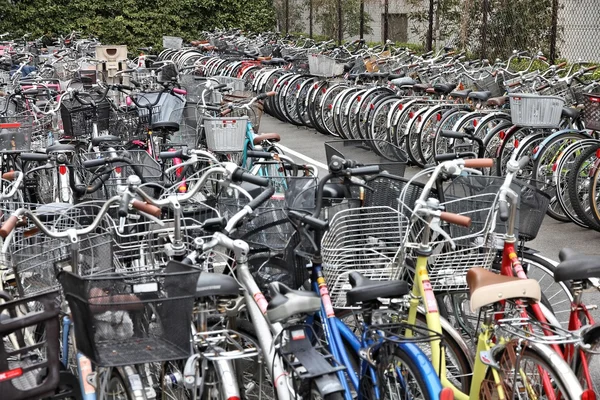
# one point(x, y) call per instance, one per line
point(554, 31)
point(430, 27)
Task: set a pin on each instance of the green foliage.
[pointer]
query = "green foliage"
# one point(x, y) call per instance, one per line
point(326, 16)
point(136, 23)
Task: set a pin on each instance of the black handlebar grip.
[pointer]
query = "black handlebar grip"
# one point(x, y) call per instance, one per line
point(452, 134)
point(309, 220)
point(453, 156)
point(221, 86)
point(34, 157)
point(124, 87)
point(259, 154)
point(97, 162)
point(261, 198)
point(212, 108)
point(215, 224)
point(523, 162)
point(241, 175)
point(171, 154)
point(135, 83)
point(368, 170)
point(262, 96)
point(124, 206)
point(503, 211)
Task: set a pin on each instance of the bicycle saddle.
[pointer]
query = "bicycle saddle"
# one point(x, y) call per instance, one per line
point(59, 147)
point(365, 289)
point(391, 77)
point(497, 101)
point(421, 87)
point(461, 94)
point(210, 284)
point(483, 96)
point(286, 302)
point(165, 126)
point(444, 88)
point(403, 82)
point(488, 288)
point(570, 112)
point(104, 139)
point(266, 136)
point(575, 266)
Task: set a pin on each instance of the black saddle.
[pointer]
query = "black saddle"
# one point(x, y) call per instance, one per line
point(576, 266)
point(166, 126)
point(570, 112)
point(59, 147)
point(105, 139)
point(483, 96)
point(364, 289)
point(444, 88)
point(461, 94)
point(210, 284)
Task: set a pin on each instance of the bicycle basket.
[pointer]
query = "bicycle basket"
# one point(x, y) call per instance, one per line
point(533, 204)
point(591, 111)
point(322, 65)
point(476, 246)
point(29, 370)
point(225, 134)
point(535, 111)
point(236, 84)
point(78, 119)
point(361, 239)
point(125, 319)
point(15, 136)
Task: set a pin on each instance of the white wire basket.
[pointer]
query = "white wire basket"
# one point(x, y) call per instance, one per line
point(172, 42)
point(366, 240)
point(535, 111)
point(236, 84)
point(225, 134)
point(322, 65)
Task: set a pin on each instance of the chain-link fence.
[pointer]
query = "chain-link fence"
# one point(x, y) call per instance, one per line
point(561, 29)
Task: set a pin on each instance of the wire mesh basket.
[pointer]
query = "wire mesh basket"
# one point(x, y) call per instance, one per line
point(236, 84)
point(36, 258)
point(115, 174)
point(535, 111)
point(5, 82)
point(591, 111)
point(196, 89)
point(128, 125)
point(65, 69)
point(492, 84)
point(15, 135)
point(29, 369)
point(78, 119)
point(533, 204)
point(225, 134)
point(172, 42)
point(366, 240)
point(322, 65)
point(125, 319)
point(476, 246)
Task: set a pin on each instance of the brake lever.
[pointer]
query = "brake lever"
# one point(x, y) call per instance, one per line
point(435, 226)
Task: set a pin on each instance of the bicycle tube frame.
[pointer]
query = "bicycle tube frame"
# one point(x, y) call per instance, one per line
point(422, 290)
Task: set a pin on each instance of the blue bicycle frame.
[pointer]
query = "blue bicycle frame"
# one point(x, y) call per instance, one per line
point(336, 333)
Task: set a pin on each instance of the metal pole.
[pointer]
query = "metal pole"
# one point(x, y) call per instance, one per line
point(484, 26)
point(553, 31)
point(340, 27)
point(386, 9)
point(362, 18)
point(310, 18)
point(430, 27)
point(287, 16)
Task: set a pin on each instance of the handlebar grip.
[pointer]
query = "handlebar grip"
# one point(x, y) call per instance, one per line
point(212, 108)
point(261, 198)
point(262, 96)
point(455, 219)
point(523, 162)
point(479, 163)
point(214, 224)
point(503, 211)
point(124, 87)
point(593, 67)
point(310, 220)
point(271, 93)
point(146, 208)
point(221, 86)
point(259, 154)
point(124, 206)
point(8, 226)
point(34, 157)
point(97, 162)
point(562, 64)
point(135, 83)
point(9, 176)
point(241, 175)
point(226, 111)
point(182, 92)
point(171, 154)
point(368, 170)
point(452, 134)
point(452, 156)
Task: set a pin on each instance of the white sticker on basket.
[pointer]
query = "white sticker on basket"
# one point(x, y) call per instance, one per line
point(145, 287)
point(136, 382)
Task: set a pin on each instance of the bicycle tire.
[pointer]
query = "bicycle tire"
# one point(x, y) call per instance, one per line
point(579, 187)
point(561, 376)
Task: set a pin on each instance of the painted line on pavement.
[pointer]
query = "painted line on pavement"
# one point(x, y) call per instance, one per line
point(306, 158)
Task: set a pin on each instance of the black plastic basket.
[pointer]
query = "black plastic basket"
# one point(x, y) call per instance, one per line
point(29, 370)
point(78, 119)
point(130, 319)
point(591, 111)
point(533, 204)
